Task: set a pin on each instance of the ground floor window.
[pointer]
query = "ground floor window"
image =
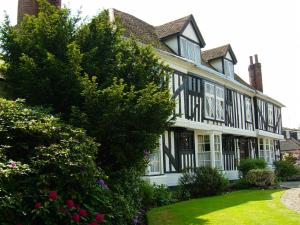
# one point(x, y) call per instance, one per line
point(204, 150)
point(210, 154)
point(154, 163)
point(218, 155)
point(266, 150)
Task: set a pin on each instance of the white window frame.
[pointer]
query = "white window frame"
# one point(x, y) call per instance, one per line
point(267, 150)
point(248, 109)
point(220, 103)
point(210, 112)
point(204, 157)
point(154, 162)
point(190, 50)
point(228, 68)
point(215, 100)
point(270, 114)
point(218, 151)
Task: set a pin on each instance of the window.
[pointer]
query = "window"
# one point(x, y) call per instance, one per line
point(154, 163)
point(270, 115)
point(209, 100)
point(203, 150)
point(220, 103)
point(190, 50)
point(266, 150)
point(248, 109)
point(228, 68)
point(214, 102)
point(218, 156)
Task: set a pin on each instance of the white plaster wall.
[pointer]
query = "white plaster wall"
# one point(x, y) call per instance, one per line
point(190, 33)
point(173, 44)
point(217, 64)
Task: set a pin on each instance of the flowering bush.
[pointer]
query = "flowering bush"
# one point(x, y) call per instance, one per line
point(47, 170)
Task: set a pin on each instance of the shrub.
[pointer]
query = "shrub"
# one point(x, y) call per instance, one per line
point(204, 181)
point(289, 157)
point(260, 177)
point(155, 195)
point(285, 169)
point(250, 164)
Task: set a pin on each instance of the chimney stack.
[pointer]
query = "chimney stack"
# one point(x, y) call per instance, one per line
point(30, 7)
point(255, 75)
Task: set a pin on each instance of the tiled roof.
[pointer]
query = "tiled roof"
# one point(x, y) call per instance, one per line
point(289, 145)
point(215, 53)
point(240, 80)
point(172, 27)
point(142, 31)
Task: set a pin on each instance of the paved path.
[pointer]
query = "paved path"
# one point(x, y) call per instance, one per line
point(291, 199)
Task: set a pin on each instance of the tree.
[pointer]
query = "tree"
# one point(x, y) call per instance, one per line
point(113, 87)
point(42, 60)
point(127, 103)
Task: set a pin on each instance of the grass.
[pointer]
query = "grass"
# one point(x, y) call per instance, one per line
point(246, 207)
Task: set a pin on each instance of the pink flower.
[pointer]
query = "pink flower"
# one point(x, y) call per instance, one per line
point(100, 217)
point(76, 217)
point(53, 195)
point(37, 205)
point(82, 212)
point(70, 203)
point(93, 223)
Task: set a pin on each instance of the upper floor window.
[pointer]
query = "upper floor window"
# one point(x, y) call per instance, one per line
point(228, 68)
point(270, 115)
point(248, 109)
point(214, 102)
point(190, 50)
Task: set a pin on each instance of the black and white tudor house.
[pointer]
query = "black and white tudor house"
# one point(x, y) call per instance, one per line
point(222, 118)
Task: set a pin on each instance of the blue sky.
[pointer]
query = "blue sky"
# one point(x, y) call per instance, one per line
point(267, 28)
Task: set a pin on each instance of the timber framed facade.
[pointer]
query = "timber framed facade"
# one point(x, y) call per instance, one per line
point(221, 118)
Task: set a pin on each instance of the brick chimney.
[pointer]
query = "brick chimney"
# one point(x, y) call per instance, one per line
point(255, 75)
point(30, 7)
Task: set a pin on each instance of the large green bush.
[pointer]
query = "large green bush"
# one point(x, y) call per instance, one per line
point(285, 169)
point(250, 164)
point(46, 169)
point(260, 177)
point(204, 181)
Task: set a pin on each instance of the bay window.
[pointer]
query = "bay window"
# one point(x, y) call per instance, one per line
point(154, 163)
point(204, 150)
point(218, 155)
point(214, 102)
point(210, 150)
point(266, 150)
point(190, 50)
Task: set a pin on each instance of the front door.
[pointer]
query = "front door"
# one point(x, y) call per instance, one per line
point(185, 149)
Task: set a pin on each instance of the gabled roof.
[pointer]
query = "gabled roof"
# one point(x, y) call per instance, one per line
point(142, 31)
point(177, 27)
point(171, 28)
point(218, 52)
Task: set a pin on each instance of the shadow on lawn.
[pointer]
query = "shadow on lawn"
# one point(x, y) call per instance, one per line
point(189, 212)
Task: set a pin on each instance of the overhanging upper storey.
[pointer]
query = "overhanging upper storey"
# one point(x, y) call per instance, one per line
point(183, 37)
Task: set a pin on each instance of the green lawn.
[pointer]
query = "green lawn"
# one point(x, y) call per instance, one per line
point(247, 207)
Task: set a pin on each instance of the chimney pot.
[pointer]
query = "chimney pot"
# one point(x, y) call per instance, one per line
point(251, 60)
point(256, 58)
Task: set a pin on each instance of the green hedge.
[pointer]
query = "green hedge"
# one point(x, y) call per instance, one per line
point(250, 164)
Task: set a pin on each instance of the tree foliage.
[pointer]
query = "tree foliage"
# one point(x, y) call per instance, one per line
point(114, 87)
point(42, 61)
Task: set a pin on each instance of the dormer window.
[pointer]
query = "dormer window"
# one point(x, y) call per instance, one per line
point(190, 50)
point(228, 68)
